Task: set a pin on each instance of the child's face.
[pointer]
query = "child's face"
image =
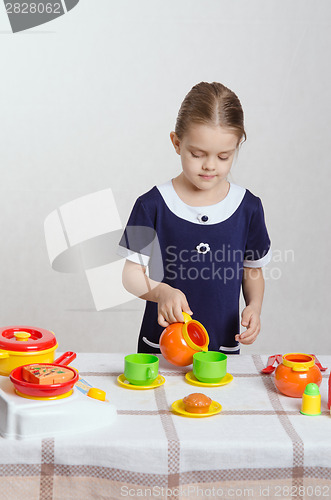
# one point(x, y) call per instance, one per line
point(207, 153)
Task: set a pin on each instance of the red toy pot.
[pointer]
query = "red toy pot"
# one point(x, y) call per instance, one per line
point(22, 345)
point(295, 372)
point(179, 341)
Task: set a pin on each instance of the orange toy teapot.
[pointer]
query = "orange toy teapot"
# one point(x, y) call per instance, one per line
point(295, 372)
point(179, 341)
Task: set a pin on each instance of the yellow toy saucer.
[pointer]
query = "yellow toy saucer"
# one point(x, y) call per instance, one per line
point(191, 379)
point(125, 383)
point(44, 398)
point(178, 407)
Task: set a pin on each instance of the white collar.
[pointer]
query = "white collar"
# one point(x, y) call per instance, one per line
point(215, 213)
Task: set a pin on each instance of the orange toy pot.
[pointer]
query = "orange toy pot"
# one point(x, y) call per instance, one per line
point(179, 341)
point(295, 372)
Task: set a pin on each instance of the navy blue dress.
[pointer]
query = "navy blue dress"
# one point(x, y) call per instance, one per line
point(202, 252)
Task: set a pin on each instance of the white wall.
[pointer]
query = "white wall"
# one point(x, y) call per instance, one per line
point(88, 101)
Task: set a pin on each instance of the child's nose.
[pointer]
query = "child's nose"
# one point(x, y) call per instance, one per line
point(209, 164)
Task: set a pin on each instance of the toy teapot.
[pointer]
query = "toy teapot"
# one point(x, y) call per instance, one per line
point(179, 341)
point(295, 372)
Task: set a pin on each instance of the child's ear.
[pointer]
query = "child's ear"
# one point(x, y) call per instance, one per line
point(175, 141)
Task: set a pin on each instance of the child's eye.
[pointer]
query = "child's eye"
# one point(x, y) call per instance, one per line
point(223, 159)
point(195, 156)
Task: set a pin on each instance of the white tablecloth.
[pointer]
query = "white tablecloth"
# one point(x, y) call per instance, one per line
point(259, 446)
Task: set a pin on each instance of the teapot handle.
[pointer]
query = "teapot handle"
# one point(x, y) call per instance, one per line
point(300, 368)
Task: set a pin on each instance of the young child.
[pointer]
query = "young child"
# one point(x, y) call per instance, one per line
point(200, 236)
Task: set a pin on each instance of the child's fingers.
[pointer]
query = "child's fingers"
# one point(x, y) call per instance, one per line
point(186, 308)
point(252, 328)
point(249, 335)
point(252, 322)
point(171, 310)
point(250, 339)
point(250, 331)
point(167, 314)
point(175, 315)
point(162, 321)
point(245, 317)
point(178, 313)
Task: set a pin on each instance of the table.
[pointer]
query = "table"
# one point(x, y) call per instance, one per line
point(259, 446)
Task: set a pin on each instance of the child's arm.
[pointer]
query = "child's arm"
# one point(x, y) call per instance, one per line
point(253, 290)
point(171, 301)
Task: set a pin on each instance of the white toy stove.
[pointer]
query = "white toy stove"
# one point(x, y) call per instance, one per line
point(30, 418)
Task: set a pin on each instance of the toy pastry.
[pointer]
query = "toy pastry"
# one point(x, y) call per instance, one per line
point(197, 403)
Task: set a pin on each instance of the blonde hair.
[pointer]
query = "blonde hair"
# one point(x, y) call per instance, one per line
point(211, 104)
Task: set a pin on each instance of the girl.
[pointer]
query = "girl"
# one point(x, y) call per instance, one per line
point(200, 236)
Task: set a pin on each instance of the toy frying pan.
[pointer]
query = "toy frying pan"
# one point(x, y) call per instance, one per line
point(51, 391)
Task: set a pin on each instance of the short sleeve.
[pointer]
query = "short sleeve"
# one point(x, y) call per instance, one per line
point(258, 247)
point(139, 236)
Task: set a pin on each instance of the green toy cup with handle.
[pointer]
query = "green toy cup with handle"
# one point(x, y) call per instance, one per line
point(141, 369)
point(209, 367)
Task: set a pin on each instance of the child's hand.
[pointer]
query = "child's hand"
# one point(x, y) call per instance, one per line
point(250, 318)
point(171, 303)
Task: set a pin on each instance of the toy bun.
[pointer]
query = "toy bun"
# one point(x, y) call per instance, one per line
point(197, 403)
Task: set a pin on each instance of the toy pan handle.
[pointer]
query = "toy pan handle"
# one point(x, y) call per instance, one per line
point(65, 359)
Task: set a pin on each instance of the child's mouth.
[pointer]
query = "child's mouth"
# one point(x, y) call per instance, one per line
point(207, 177)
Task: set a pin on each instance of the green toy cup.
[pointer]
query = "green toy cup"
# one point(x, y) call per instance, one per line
point(209, 367)
point(141, 369)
